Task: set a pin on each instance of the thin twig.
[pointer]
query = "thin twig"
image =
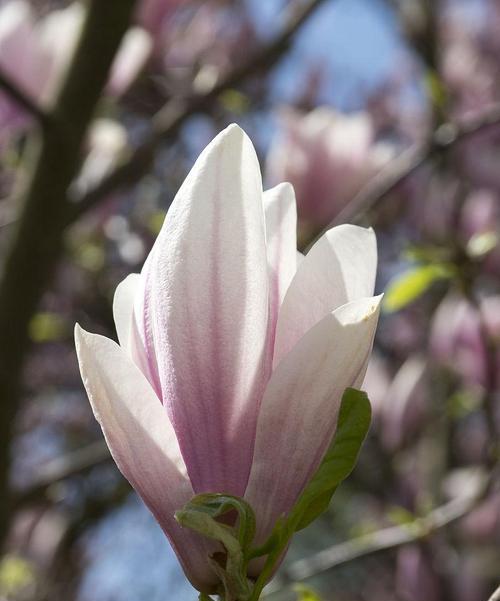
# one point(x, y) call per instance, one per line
point(166, 123)
point(382, 540)
point(59, 469)
point(24, 100)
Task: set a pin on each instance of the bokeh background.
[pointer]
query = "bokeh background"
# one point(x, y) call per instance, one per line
point(379, 112)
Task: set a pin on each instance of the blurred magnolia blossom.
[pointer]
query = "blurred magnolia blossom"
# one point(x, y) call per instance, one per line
point(327, 157)
point(469, 57)
point(436, 212)
point(456, 339)
point(213, 39)
point(483, 523)
point(153, 15)
point(400, 408)
point(415, 578)
point(106, 142)
point(465, 71)
point(233, 356)
point(36, 53)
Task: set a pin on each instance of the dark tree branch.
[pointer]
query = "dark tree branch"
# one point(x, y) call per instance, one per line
point(37, 241)
point(24, 100)
point(168, 120)
point(59, 469)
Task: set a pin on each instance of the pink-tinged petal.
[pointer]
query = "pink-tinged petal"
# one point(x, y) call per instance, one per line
point(339, 268)
point(126, 326)
point(281, 237)
point(203, 315)
point(123, 307)
point(142, 442)
point(299, 411)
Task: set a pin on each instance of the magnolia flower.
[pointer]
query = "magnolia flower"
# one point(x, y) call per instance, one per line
point(154, 15)
point(234, 350)
point(36, 54)
point(456, 340)
point(327, 157)
point(106, 141)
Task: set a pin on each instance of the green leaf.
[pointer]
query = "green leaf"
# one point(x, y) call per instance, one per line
point(410, 285)
point(234, 101)
point(16, 574)
point(436, 88)
point(90, 255)
point(305, 593)
point(339, 461)
point(47, 327)
point(481, 244)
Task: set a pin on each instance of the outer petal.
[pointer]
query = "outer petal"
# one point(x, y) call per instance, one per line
point(299, 411)
point(339, 268)
point(142, 442)
point(123, 307)
point(281, 237)
point(203, 314)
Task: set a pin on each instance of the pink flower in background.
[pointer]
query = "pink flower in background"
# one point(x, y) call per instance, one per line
point(399, 405)
point(470, 74)
point(153, 14)
point(36, 54)
point(233, 354)
point(456, 340)
point(207, 38)
point(415, 577)
point(327, 157)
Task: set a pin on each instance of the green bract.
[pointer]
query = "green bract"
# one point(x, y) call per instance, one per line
point(203, 512)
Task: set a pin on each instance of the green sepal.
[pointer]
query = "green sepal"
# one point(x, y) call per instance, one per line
point(217, 505)
point(200, 514)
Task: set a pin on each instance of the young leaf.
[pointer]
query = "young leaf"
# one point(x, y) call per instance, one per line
point(408, 286)
point(339, 461)
point(304, 593)
point(200, 514)
point(217, 504)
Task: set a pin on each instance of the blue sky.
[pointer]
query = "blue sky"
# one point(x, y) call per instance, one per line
point(356, 40)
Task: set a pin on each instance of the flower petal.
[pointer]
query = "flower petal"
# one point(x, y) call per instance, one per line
point(299, 411)
point(142, 442)
point(339, 268)
point(281, 237)
point(123, 307)
point(203, 315)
